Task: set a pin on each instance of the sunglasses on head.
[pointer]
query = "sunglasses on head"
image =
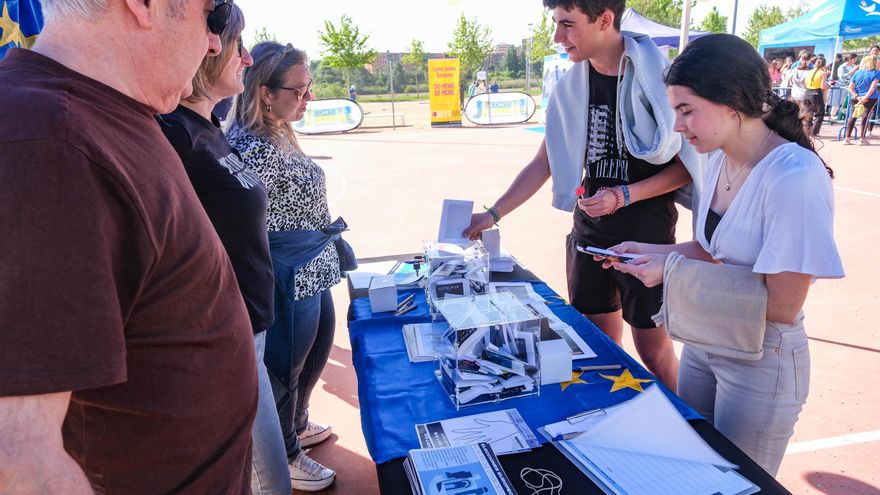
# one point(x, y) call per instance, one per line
point(219, 17)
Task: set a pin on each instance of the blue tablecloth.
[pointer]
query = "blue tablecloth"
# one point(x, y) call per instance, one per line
point(395, 394)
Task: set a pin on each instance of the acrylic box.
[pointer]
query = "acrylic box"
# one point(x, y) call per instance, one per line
point(490, 351)
point(455, 271)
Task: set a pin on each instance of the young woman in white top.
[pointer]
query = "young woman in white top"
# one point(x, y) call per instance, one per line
point(768, 205)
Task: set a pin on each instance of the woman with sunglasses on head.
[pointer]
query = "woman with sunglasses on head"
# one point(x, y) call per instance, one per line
point(235, 201)
point(306, 264)
point(768, 217)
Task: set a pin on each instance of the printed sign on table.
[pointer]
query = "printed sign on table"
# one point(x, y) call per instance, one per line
point(337, 115)
point(443, 75)
point(499, 108)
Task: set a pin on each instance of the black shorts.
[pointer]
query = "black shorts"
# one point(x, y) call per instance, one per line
point(596, 290)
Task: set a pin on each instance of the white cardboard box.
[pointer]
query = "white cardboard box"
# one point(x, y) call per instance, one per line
point(555, 357)
point(383, 294)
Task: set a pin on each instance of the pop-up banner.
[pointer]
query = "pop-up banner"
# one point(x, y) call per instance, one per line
point(337, 115)
point(499, 108)
point(555, 66)
point(443, 88)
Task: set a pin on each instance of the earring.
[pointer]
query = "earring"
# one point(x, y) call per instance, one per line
point(268, 107)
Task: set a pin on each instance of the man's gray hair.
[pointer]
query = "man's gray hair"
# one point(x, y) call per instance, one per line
point(64, 9)
point(57, 9)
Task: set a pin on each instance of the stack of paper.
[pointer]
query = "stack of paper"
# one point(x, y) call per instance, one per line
point(504, 262)
point(469, 469)
point(624, 455)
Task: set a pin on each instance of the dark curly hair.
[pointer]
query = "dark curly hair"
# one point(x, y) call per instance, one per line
point(592, 8)
point(726, 70)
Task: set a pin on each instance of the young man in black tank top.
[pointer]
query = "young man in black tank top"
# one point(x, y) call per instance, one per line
point(624, 197)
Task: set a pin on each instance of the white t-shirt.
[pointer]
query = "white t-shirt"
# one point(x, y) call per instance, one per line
point(782, 218)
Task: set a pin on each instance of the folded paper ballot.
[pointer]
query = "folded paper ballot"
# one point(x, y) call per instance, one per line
point(627, 460)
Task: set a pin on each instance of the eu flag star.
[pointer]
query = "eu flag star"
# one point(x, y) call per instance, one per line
point(625, 380)
point(575, 378)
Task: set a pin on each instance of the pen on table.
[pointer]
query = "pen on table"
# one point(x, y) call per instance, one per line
point(566, 436)
point(405, 301)
point(601, 367)
point(404, 310)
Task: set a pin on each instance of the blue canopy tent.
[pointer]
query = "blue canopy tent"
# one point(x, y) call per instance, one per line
point(661, 34)
point(825, 27)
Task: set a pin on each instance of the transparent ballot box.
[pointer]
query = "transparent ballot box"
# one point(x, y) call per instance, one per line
point(490, 350)
point(455, 271)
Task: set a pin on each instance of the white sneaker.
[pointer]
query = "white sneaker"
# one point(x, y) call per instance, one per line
point(314, 433)
point(308, 475)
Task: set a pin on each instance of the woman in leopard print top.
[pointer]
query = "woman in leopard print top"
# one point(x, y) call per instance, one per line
point(277, 91)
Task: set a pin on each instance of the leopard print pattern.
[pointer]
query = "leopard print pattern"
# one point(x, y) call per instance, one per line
point(297, 189)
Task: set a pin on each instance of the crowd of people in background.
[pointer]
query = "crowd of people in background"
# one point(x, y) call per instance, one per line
point(845, 91)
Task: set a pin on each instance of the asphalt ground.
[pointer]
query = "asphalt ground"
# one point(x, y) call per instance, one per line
point(389, 185)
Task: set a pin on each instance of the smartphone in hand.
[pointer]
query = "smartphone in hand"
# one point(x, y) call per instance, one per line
point(608, 255)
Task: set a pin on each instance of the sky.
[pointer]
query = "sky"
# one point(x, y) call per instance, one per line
point(392, 24)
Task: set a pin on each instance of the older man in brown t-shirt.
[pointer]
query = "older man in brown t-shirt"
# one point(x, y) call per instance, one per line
point(126, 352)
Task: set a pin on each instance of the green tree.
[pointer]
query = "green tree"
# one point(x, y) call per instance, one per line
point(542, 39)
point(714, 22)
point(861, 43)
point(512, 62)
point(471, 44)
point(666, 12)
point(416, 57)
point(263, 34)
point(344, 47)
point(762, 18)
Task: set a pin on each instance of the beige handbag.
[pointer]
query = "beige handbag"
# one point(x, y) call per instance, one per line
point(720, 309)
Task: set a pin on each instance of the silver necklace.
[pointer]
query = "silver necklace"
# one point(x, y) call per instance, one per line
point(746, 165)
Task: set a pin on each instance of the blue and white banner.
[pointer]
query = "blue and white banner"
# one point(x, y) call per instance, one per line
point(337, 115)
point(499, 108)
point(554, 67)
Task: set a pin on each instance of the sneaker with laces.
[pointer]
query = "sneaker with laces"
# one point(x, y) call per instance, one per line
point(308, 475)
point(314, 433)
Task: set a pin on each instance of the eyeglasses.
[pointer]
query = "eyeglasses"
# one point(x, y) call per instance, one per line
point(219, 17)
point(300, 93)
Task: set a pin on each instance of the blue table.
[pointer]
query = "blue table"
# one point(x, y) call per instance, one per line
point(395, 394)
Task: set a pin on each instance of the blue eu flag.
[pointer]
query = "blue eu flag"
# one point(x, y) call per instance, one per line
point(20, 21)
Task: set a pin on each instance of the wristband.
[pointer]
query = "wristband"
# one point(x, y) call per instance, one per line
point(625, 195)
point(492, 211)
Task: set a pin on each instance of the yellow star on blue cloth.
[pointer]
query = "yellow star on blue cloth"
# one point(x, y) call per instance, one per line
point(625, 380)
point(11, 30)
point(575, 378)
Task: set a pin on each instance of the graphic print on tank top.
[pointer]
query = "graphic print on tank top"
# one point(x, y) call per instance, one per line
point(606, 158)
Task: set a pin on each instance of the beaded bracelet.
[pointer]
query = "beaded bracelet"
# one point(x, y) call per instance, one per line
point(492, 211)
point(618, 199)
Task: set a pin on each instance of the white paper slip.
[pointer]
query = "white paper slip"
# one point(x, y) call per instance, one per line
point(360, 278)
point(454, 219)
point(504, 430)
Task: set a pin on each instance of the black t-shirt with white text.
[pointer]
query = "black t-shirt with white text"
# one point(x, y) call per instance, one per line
point(235, 200)
point(608, 163)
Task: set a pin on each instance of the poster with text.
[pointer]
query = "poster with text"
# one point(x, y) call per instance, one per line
point(499, 108)
point(443, 91)
point(336, 115)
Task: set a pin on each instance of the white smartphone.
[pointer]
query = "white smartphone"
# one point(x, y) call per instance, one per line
point(609, 255)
